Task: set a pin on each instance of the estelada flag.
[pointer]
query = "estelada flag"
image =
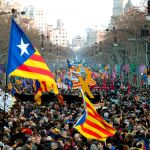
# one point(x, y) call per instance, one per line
point(25, 61)
point(91, 125)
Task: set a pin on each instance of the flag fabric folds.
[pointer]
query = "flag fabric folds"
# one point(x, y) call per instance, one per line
point(70, 66)
point(42, 86)
point(76, 85)
point(92, 125)
point(92, 82)
point(60, 99)
point(39, 88)
point(68, 82)
point(25, 61)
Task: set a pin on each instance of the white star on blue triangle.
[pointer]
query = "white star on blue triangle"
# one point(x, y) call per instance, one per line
point(23, 47)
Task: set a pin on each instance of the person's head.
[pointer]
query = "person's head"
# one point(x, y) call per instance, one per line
point(109, 145)
point(54, 145)
point(29, 143)
point(64, 134)
point(69, 142)
point(66, 127)
point(125, 147)
point(101, 144)
point(61, 143)
point(31, 122)
point(70, 117)
point(77, 137)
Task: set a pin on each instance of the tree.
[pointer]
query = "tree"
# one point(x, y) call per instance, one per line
point(5, 21)
point(128, 33)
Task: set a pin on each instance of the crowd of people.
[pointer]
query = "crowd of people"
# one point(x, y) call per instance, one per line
point(50, 126)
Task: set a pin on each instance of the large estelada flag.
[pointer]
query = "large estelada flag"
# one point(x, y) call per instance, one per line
point(25, 61)
point(92, 125)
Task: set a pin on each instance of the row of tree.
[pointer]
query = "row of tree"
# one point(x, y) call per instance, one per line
point(126, 40)
point(48, 50)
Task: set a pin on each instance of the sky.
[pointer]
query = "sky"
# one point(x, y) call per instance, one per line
point(77, 15)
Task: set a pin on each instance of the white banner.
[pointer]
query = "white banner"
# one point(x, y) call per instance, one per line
point(6, 101)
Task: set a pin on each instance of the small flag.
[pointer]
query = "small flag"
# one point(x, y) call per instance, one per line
point(92, 125)
point(60, 99)
point(25, 61)
point(39, 88)
point(92, 82)
point(75, 73)
point(76, 85)
point(70, 66)
point(68, 82)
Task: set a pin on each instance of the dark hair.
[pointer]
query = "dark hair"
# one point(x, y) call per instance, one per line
point(29, 141)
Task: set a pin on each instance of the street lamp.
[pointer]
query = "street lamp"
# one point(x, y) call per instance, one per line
point(115, 35)
point(13, 12)
point(100, 47)
point(42, 41)
point(50, 46)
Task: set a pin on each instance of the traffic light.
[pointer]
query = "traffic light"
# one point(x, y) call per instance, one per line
point(148, 7)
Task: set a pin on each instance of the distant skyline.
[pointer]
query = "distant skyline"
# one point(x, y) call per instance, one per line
point(77, 15)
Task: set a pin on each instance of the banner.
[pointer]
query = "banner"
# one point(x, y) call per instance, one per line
point(6, 101)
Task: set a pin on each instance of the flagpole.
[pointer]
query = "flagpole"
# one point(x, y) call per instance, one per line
point(13, 11)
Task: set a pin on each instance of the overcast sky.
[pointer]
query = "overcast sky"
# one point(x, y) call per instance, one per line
point(77, 15)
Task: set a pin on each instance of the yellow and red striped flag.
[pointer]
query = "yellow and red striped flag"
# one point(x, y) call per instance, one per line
point(25, 61)
point(60, 99)
point(39, 88)
point(76, 85)
point(92, 125)
point(92, 82)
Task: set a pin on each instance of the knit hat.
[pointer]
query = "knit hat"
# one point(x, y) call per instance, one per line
point(27, 131)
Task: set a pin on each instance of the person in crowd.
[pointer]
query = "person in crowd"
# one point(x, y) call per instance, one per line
point(28, 126)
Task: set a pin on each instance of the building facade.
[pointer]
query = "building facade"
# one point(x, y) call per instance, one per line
point(118, 7)
point(128, 6)
point(94, 36)
point(91, 36)
point(78, 42)
point(41, 20)
point(59, 34)
point(2, 3)
point(29, 11)
point(121, 6)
